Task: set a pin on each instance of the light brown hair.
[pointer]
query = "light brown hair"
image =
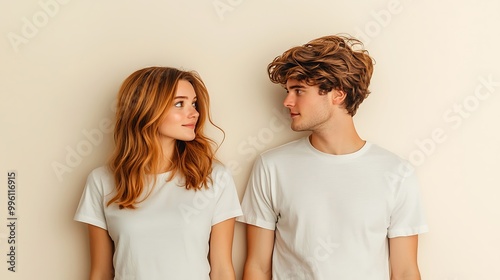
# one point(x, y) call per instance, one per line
point(329, 62)
point(143, 99)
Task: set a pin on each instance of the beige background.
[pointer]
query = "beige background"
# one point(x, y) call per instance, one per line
point(436, 92)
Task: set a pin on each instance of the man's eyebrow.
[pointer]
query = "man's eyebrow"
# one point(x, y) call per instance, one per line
point(295, 86)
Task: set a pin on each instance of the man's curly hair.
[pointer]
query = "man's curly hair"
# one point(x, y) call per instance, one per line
point(331, 62)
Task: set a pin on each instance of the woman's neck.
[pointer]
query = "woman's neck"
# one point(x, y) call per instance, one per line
point(165, 163)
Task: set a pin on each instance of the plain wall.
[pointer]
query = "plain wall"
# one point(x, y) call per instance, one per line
point(435, 98)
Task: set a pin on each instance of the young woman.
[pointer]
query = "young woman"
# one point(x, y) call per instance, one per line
point(163, 208)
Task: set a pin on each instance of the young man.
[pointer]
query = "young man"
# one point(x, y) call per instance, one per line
point(331, 205)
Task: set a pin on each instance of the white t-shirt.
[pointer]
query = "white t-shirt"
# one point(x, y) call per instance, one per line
point(167, 236)
point(332, 214)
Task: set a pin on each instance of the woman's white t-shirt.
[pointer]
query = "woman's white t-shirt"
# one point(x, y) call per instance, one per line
point(167, 235)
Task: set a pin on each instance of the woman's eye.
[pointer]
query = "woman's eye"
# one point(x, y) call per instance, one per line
point(178, 104)
point(195, 104)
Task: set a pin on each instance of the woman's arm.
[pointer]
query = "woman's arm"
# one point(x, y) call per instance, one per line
point(221, 251)
point(101, 254)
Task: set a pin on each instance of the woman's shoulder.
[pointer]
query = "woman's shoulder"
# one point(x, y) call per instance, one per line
point(220, 171)
point(101, 174)
point(219, 168)
point(101, 171)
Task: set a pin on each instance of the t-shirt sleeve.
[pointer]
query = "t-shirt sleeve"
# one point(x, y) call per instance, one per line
point(228, 203)
point(257, 202)
point(407, 217)
point(91, 207)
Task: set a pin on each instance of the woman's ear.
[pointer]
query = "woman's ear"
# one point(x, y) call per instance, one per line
point(338, 97)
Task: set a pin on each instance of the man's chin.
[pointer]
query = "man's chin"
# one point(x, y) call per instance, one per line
point(297, 128)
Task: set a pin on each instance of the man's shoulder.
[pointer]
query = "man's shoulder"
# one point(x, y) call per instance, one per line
point(382, 155)
point(288, 148)
point(379, 150)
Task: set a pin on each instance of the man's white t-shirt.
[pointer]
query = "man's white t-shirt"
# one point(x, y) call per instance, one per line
point(167, 236)
point(332, 214)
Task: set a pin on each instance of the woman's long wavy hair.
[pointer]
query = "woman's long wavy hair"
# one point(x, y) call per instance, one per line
point(329, 62)
point(143, 100)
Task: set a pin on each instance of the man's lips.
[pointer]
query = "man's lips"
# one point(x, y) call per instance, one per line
point(292, 115)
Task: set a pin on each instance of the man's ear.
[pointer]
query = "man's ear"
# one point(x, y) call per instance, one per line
point(338, 97)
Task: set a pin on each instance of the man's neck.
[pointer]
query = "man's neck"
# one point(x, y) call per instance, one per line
point(338, 139)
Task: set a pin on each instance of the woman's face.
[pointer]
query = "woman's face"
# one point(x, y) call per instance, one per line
point(180, 120)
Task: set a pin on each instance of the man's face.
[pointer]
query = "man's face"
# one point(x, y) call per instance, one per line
point(309, 110)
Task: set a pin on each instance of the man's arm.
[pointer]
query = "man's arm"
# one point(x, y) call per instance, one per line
point(403, 258)
point(260, 244)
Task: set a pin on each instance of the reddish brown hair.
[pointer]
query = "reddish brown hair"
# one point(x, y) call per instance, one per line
point(329, 62)
point(144, 98)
